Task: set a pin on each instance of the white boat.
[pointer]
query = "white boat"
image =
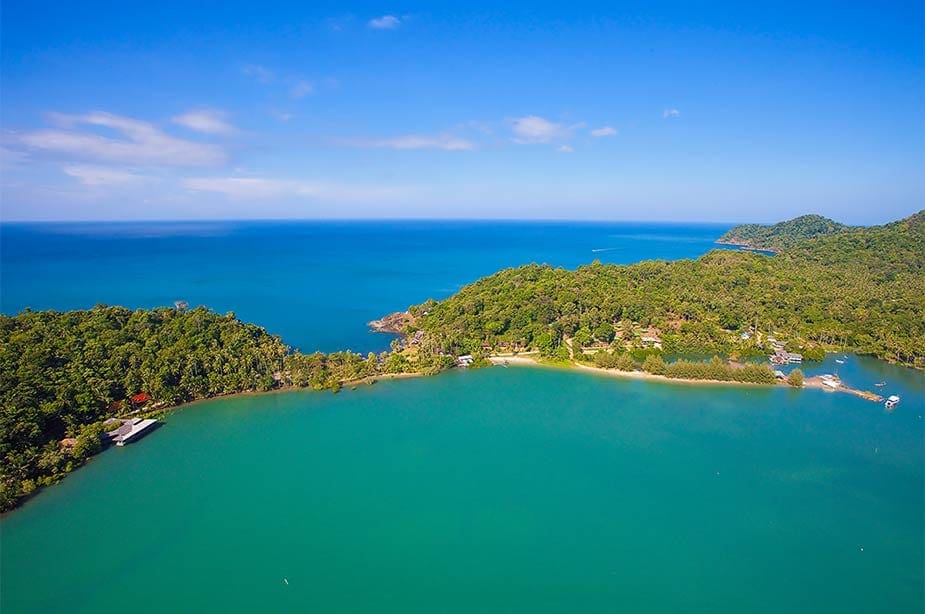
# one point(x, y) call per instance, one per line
point(891, 402)
point(841, 362)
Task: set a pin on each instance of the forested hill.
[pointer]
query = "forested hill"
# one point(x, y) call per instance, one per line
point(781, 235)
point(861, 289)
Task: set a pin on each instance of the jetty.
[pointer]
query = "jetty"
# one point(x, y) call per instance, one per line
point(832, 383)
point(131, 430)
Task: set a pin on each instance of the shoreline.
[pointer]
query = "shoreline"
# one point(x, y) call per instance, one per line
point(635, 375)
point(161, 413)
point(365, 381)
point(813, 383)
point(527, 359)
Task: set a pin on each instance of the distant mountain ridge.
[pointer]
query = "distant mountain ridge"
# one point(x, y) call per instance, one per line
point(782, 235)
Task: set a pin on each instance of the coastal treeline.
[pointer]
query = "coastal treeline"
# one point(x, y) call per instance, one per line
point(860, 289)
point(63, 374)
point(716, 369)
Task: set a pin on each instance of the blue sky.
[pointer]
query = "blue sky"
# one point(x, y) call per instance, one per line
point(629, 111)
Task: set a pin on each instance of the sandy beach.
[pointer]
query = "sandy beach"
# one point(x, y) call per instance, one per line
point(809, 382)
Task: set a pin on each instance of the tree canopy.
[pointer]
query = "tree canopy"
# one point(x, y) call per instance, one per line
point(860, 289)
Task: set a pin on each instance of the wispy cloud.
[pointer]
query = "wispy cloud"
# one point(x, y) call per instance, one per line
point(566, 149)
point(535, 129)
point(671, 113)
point(301, 88)
point(11, 158)
point(207, 121)
point(415, 141)
point(604, 131)
point(258, 73)
point(260, 188)
point(99, 176)
point(142, 142)
point(386, 22)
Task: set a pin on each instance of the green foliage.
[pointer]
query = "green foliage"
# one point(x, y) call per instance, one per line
point(814, 353)
point(654, 365)
point(857, 289)
point(604, 332)
point(717, 369)
point(783, 234)
point(795, 378)
point(620, 361)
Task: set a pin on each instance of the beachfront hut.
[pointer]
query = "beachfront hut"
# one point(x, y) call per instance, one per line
point(140, 399)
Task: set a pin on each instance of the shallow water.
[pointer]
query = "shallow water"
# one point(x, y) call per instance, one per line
point(518, 489)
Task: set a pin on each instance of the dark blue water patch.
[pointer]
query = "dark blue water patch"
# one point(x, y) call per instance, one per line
point(314, 283)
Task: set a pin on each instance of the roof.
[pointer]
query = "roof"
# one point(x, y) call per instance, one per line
point(141, 397)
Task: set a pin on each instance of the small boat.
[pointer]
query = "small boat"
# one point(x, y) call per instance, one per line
point(880, 384)
point(891, 402)
point(841, 362)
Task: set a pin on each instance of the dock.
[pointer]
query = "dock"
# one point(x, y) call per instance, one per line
point(131, 430)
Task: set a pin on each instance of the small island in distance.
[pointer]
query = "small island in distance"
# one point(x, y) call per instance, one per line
point(827, 288)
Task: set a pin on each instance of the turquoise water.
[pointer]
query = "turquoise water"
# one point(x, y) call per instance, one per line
point(315, 283)
point(504, 490)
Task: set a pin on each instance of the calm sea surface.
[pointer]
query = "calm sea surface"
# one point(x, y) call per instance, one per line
point(316, 284)
point(498, 490)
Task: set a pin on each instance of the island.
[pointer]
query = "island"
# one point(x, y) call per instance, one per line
point(65, 376)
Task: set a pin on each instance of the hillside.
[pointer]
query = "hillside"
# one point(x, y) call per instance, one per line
point(860, 289)
point(782, 235)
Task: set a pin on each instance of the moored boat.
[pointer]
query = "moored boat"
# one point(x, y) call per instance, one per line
point(891, 402)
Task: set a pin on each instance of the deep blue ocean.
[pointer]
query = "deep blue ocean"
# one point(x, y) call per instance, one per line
point(316, 284)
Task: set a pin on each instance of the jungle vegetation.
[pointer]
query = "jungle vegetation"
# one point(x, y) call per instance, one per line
point(859, 289)
point(782, 235)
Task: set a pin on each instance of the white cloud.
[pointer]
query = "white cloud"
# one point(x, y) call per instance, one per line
point(534, 129)
point(143, 143)
point(416, 141)
point(604, 131)
point(301, 88)
point(257, 188)
point(386, 22)
point(92, 175)
point(671, 113)
point(566, 149)
point(207, 121)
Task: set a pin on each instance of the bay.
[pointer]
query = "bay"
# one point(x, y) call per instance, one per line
point(514, 490)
